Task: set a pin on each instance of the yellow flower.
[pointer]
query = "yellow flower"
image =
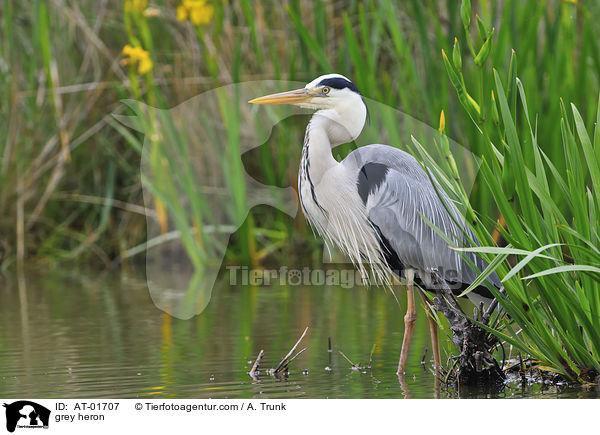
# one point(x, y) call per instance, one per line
point(201, 16)
point(181, 13)
point(139, 56)
point(199, 12)
point(145, 65)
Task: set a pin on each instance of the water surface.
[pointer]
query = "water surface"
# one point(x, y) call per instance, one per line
point(87, 334)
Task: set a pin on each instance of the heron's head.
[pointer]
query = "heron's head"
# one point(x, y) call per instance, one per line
point(335, 98)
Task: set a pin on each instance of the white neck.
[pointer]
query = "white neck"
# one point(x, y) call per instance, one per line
point(329, 128)
point(317, 148)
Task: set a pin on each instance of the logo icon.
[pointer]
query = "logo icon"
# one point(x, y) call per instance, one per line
point(26, 414)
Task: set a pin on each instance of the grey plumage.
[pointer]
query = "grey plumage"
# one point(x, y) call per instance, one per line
point(394, 205)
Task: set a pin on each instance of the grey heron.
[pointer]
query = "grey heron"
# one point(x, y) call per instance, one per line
point(371, 204)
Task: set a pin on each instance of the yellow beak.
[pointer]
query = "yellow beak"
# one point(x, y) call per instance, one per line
point(289, 97)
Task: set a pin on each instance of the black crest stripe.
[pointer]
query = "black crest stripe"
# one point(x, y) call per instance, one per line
point(339, 83)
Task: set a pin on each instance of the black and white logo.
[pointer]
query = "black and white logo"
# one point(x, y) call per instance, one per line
point(26, 414)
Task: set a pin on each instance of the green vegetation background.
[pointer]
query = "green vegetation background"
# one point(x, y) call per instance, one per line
point(69, 182)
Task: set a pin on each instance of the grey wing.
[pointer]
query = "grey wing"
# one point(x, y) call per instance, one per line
point(397, 194)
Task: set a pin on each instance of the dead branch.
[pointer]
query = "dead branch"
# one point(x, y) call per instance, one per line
point(256, 364)
point(476, 364)
point(285, 361)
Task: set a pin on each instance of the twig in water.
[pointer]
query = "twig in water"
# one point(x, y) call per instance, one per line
point(254, 368)
point(328, 367)
point(284, 361)
point(450, 371)
point(354, 366)
point(371, 355)
point(285, 366)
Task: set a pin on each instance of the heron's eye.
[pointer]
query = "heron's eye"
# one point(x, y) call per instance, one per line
point(325, 90)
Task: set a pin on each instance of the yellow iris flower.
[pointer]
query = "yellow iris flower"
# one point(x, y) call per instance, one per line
point(139, 56)
point(199, 12)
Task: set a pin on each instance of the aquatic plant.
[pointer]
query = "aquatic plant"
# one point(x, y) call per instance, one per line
point(548, 227)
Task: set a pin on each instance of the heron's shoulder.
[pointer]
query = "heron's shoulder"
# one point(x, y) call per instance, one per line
point(385, 156)
point(382, 152)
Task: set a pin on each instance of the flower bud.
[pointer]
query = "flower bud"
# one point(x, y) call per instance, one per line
point(485, 50)
point(482, 30)
point(465, 12)
point(456, 57)
point(442, 122)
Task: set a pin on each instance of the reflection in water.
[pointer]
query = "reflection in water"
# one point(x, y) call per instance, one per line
point(24, 312)
point(85, 335)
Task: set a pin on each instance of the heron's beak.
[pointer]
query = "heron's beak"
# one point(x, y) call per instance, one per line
point(289, 97)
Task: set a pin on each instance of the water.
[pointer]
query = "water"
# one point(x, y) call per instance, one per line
point(81, 335)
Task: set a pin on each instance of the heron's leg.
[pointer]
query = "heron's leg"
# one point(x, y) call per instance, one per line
point(433, 330)
point(410, 319)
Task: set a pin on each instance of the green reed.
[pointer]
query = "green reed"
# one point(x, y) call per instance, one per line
point(550, 259)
